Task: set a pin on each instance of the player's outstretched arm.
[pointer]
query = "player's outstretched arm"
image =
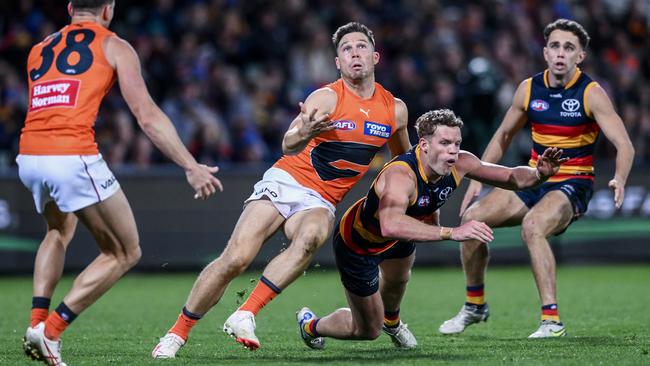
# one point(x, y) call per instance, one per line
point(520, 177)
point(155, 124)
point(399, 142)
point(612, 126)
point(313, 119)
point(396, 188)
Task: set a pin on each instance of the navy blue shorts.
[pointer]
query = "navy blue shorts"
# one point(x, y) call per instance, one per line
point(360, 273)
point(579, 192)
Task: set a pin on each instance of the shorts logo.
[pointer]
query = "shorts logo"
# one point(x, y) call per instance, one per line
point(424, 201)
point(568, 189)
point(444, 194)
point(539, 105)
point(108, 183)
point(54, 93)
point(266, 190)
point(376, 129)
point(345, 125)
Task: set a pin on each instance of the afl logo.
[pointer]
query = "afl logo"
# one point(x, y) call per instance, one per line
point(570, 105)
point(424, 201)
point(539, 105)
point(345, 125)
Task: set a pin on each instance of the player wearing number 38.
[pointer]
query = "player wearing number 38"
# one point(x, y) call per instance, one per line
point(69, 73)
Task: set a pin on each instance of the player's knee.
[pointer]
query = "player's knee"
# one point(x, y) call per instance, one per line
point(133, 256)
point(472, 213)
point(400, 279)
point(310, 240)
point(233, 265)
point(531, 228)
point(367, 334)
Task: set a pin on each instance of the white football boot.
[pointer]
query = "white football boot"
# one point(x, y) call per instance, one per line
point(549, 329)
point(305, 314)
point(401, 336)
point(168, 346)
point(468, 315)
point(39, 347)
point(241, 326)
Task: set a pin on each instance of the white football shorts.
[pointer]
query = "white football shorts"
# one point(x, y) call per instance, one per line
point(287, 195)
point(71, 181)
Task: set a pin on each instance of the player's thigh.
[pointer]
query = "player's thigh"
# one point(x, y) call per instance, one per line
point(498, 208)
point(259, 220)
point(63, 222)
point(112, 224)
point(551, 215)
point(313, 225)
point(398, 268)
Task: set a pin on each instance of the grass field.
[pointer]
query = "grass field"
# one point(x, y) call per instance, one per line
point(605, 309)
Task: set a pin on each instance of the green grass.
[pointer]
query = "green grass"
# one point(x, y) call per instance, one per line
point(605, 309)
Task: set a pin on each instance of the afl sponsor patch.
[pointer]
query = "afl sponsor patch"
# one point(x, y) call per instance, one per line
point(539, 105)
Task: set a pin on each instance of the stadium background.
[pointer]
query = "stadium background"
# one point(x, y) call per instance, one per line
point(231, 73)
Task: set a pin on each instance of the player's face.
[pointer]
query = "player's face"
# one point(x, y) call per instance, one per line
point(356, 58)
point(441, 149)
point(563, 52)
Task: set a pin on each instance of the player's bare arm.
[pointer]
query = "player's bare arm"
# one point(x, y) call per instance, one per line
point(155, 124)
point(612, 126)
point(313, 119)
point(396, 188)
point(516, 178)
point(399, 143)
point(513, 121)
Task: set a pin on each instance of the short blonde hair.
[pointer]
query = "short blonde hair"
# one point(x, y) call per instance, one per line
point(428, 123)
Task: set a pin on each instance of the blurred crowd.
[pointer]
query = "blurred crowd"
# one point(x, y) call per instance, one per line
point(230, 73)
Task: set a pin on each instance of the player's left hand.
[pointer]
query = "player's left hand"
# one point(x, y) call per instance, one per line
point(202, 180)
point(619, 192)
point(549, 163)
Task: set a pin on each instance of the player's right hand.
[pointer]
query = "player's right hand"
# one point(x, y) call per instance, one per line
point(312, 125)
point(202, 180)
point(473, 230)
point(473, 191)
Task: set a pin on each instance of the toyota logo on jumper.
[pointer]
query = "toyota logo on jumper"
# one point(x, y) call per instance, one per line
point(570, 105)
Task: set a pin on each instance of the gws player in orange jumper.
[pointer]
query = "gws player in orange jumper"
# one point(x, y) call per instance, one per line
point(69, 73)
point(328, 148)
point(567, 110)
point(383, 226)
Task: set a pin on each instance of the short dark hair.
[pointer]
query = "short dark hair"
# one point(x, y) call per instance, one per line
point(90, 5)
point(352, 27)
point(428, 123)
point(569, 26)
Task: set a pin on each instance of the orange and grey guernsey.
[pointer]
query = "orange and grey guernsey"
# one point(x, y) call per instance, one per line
point(68, 76)
point(335, 160)
point(560, 117)
point(360, 228)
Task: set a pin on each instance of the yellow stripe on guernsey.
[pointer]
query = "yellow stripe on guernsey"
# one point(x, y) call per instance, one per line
point(586, 100)
point(564, 142)
point(568, 85)
point(367, 235)
point(529, 87)
point(568, 169)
